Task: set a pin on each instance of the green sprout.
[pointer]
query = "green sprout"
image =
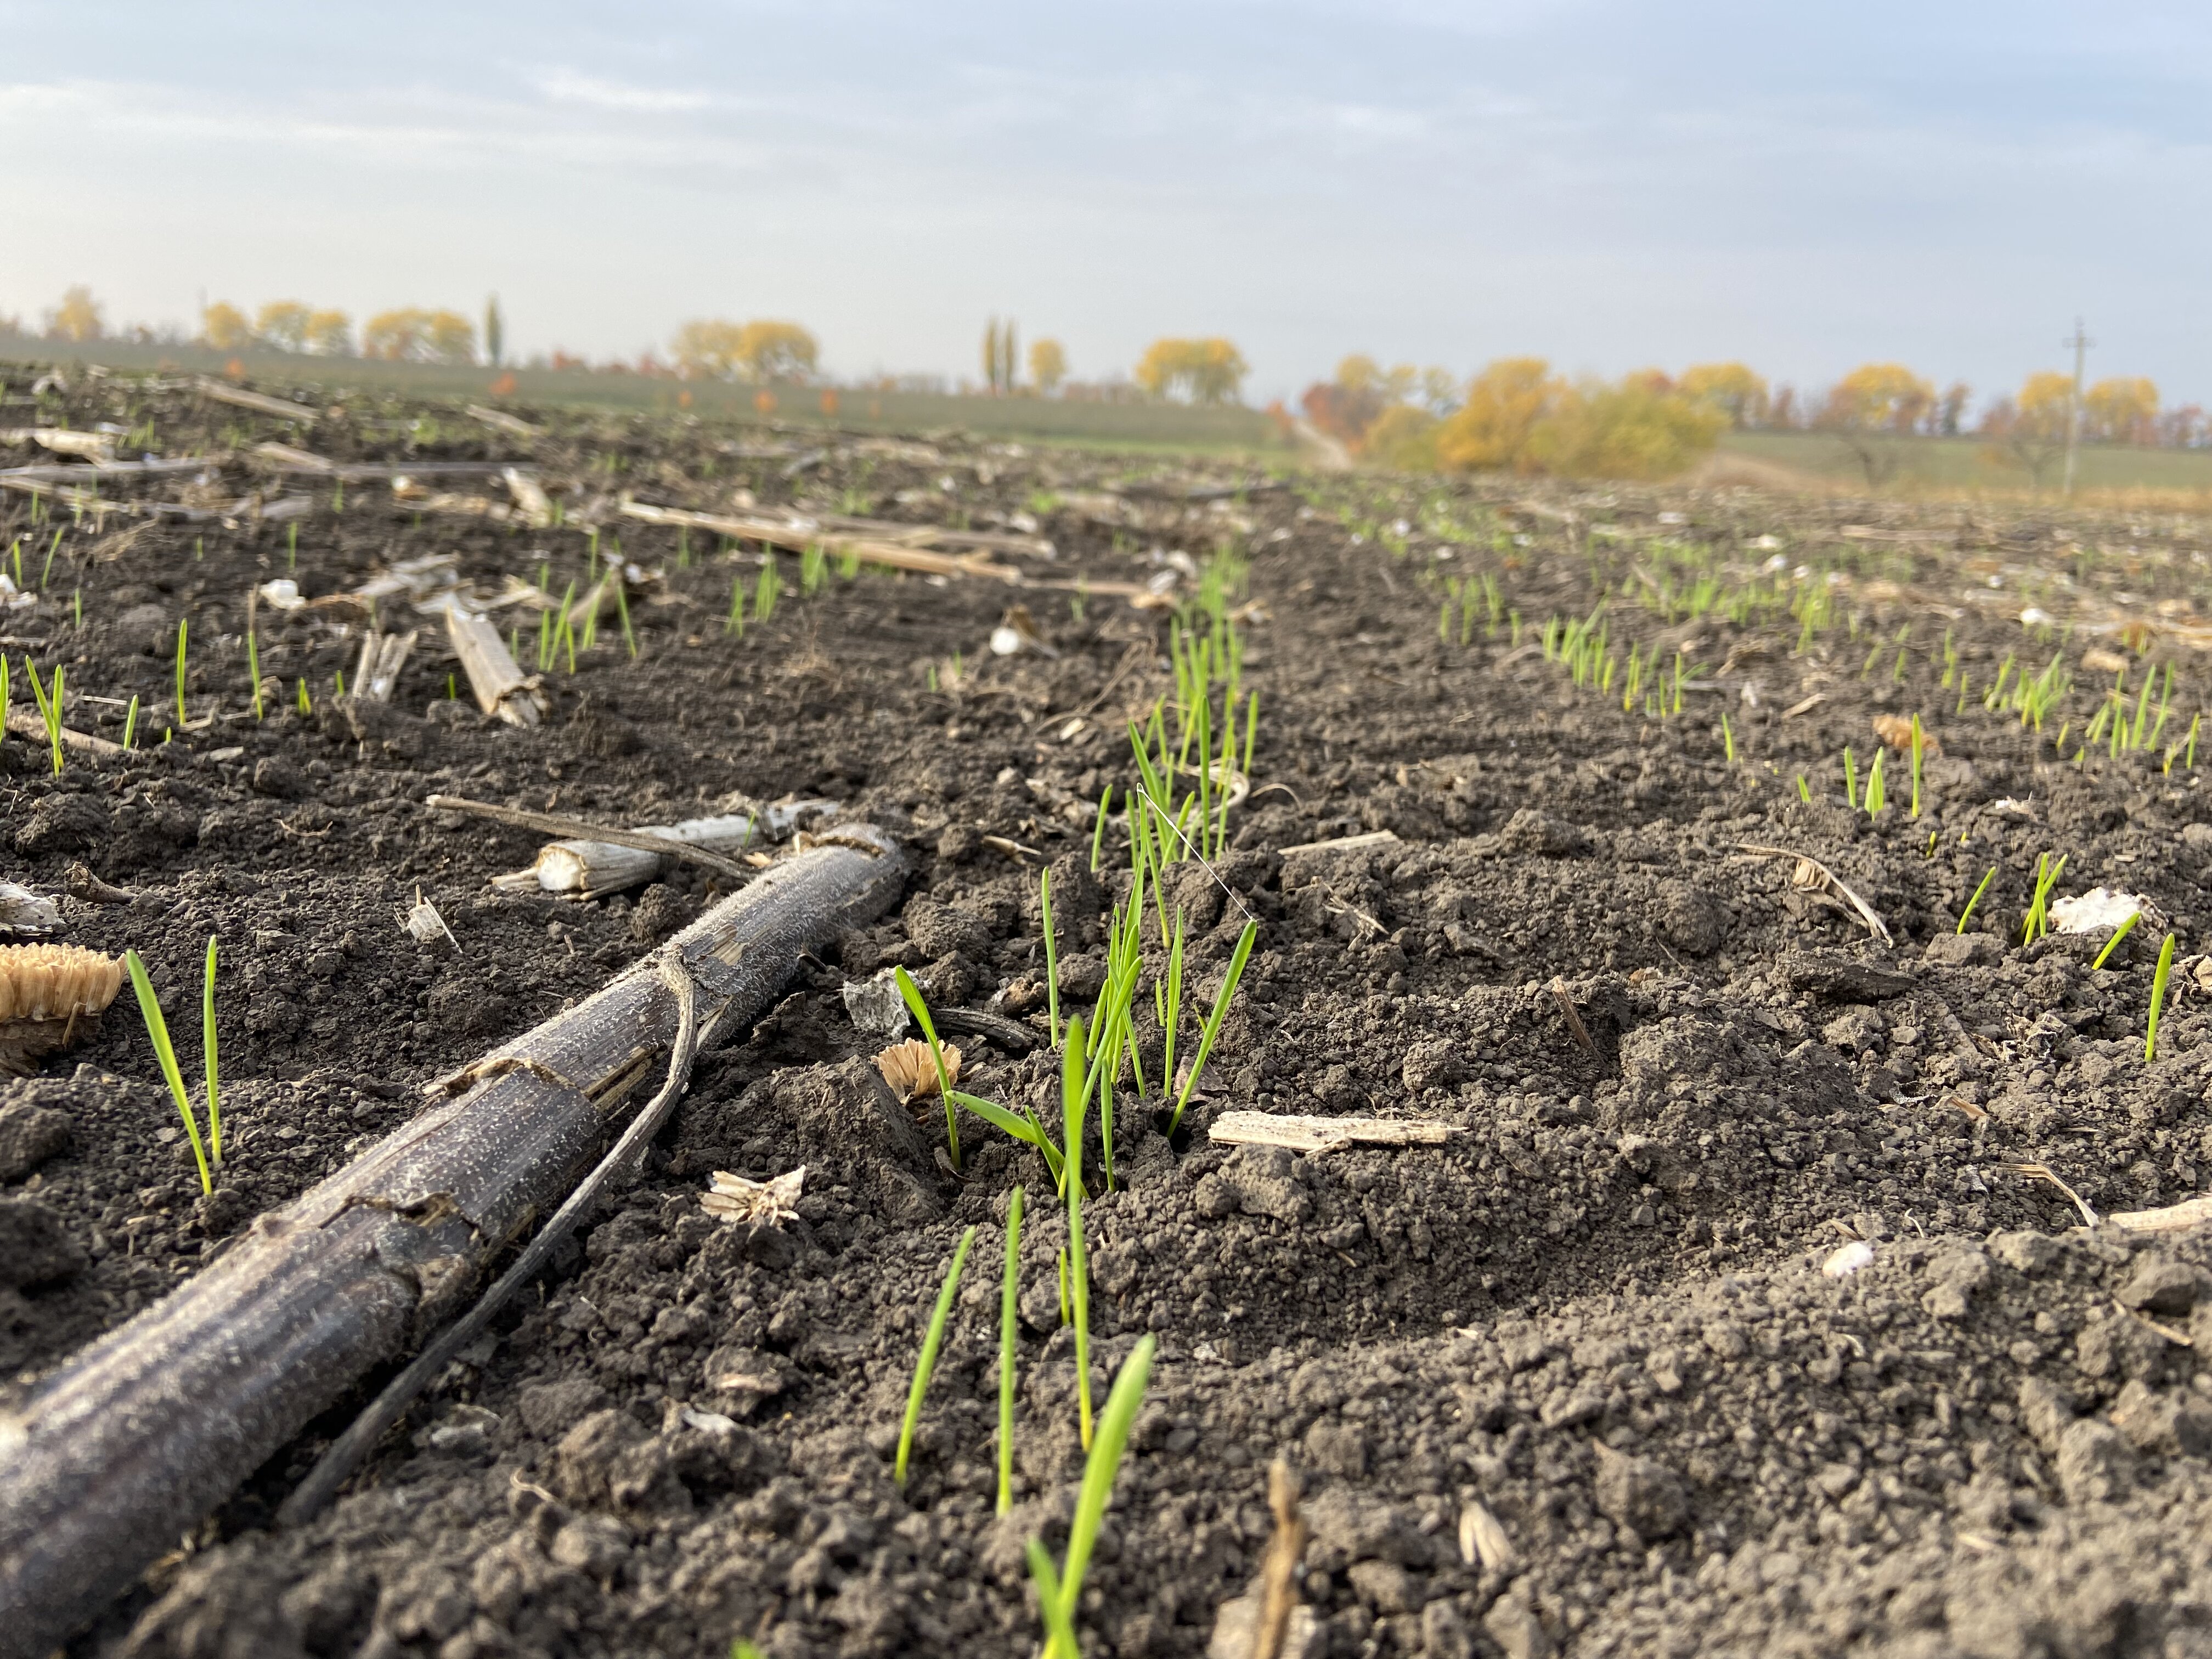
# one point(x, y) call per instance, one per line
point(766, 589)
point(1877, 793)
point(932, 1341)
point(300, 688)
point(2038, 923)
point(622, 608)
point(1098, 828)
point(1060, 1593)
point(131, 720)
point(1727, 738)
point(1212, 1027)
point(253, 668)
point(1967, 914)
point(1851, 780)
point(157, 1028)
point(207, 1050)
point(1073, 1098)
point(1051, 955)
point(181, 621)
point(2158, 997)
point(1918, 744)
point(1009, 1332)
point(1804, 790)
point(50, 707)
point(912, 994)
point(734, 623)
point(2119, 933)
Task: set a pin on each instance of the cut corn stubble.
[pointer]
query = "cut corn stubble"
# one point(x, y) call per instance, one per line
point(733, 1198)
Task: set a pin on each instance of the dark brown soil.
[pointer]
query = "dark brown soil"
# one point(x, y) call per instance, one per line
point(1599, 1314)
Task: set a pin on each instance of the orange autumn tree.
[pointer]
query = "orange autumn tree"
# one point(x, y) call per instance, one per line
point(224, 327)
point(77, 317)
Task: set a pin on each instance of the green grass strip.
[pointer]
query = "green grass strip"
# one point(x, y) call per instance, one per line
point(932, 1341)
point(1073, 1093)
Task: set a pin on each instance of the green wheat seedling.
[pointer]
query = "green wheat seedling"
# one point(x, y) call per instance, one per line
point(1060, 1592)
point(622, 609)
point(1877, 794)
point(1009, 1334)
point(208, 1056)
point(1073, 1092)
point(1028, 1129)
point(1918, 745)
point(1967, 914)
point(50, 707)
point(299, 697)
point(2113, 944)
point(46, 570)
point(912, 994)
point(1098, 828)
point(181, 621)
point(2158, 997)
point(1051, 955)
point(253, 669)
point(734, 623)
point(2038, 923)
point(1851, 780)
point(1212, 1030)
point(1727, 738)
point(813, 570)
point(157, 1030)
point(932, 1341)
point(766, 590)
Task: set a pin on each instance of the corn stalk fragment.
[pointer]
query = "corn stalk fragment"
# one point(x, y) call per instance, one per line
point(125, 1447)
point(500, 687)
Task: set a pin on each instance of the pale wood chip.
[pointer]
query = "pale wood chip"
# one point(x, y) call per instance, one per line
point(1322, 1135)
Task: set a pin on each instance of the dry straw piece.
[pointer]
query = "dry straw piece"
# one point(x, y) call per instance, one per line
point(912, 1074)
point(48, 995)
point(733, 1198)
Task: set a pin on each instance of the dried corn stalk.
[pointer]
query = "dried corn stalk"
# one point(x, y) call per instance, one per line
point(49, 996)
point(376, 677)
point(910, 1071)
point(733, 1198)
point(500, 687)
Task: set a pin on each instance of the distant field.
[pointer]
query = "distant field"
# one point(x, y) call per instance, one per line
point(1964, 463)
point(1141, 426)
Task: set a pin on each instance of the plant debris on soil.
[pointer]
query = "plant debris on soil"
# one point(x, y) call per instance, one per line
point(1740, 1304)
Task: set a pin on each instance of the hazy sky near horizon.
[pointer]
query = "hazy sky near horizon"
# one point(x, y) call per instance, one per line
point(1607, 184)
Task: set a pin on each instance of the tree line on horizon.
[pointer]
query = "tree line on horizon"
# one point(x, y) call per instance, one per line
point(1516, 414)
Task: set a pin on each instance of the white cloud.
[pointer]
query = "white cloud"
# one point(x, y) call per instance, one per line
point(568, 86)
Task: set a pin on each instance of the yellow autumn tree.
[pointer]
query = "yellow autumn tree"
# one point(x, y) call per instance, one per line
point(1738, 392)
point(2029, 431)
point(224, 328)
point(707, 347)
point(1203, 370)
point(1641, 428)
point(1878, 398)
point(416, 335)
point(1490, 431)
point(284, 323)
point(1402, 438)
point(776, 351)
point(329, 333)
point(1048, 365)
point(77, 317)
point(2120, 411)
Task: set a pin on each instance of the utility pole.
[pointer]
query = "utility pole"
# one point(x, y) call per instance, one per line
point(2081, 343)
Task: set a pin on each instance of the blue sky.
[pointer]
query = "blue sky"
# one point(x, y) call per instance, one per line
point(1610, 185)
